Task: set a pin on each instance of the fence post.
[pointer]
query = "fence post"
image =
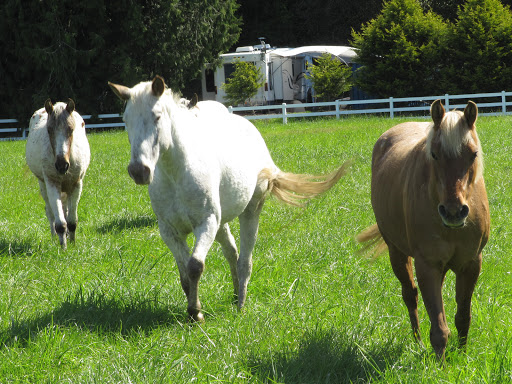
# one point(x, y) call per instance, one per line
point(391, 111)
point(338, 109)
point(503, 103)
point(230, 109)
point(447, 102)
point(285, 119)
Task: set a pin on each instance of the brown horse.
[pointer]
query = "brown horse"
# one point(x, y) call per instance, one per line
point(430, 204)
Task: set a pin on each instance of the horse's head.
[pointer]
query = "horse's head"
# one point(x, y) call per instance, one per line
point(454, 152)
point(144, 114)
point(60, 126)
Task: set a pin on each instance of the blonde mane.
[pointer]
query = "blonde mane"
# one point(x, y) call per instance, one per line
point(454, 134)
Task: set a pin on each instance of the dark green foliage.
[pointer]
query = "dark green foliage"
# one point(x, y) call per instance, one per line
point(480, 48)
point(407, 52)
point(401, 51)
point(295, 23)
point(243, 83)
point(330, 77)
point(67, 48)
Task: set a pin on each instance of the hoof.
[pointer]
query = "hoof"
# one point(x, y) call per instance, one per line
point(197, 318)
point(63, 243)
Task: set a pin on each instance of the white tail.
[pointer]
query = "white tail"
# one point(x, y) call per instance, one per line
point(293, 188)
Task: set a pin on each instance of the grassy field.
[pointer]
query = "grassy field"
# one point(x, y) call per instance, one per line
point(111, 310)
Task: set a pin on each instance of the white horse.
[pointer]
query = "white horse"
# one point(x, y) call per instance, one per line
point(203, 172)
point(58, 154)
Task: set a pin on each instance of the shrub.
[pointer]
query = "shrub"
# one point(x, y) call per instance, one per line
point(330, 77)
point(243, 84)
point(401, 51)
point(480, 48)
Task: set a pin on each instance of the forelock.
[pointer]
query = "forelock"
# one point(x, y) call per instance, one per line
point(454, 133)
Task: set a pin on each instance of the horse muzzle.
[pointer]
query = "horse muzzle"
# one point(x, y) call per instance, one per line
point(61, 165)
point(454, 215)
point(140, 173)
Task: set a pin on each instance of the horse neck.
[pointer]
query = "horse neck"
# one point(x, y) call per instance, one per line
point(176, 143)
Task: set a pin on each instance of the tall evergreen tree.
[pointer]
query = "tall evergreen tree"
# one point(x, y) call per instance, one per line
point(401, 51)
point(479, 58)
point(67, 48)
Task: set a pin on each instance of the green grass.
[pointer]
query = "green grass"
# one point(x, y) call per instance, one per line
point(111, 310)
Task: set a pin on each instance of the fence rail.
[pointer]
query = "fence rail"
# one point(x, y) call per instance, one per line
point(499, 103)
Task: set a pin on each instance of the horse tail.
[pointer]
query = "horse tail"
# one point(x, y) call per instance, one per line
point(374, 243)
point(293, 189)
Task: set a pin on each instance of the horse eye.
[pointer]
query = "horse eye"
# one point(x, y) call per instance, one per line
point(473, 156)
point(434, 156)
point(156, 119)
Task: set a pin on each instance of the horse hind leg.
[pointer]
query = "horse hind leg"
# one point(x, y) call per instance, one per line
point(249, 223)
point(402, 267)
point(227, 242)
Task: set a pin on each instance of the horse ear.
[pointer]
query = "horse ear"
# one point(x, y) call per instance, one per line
point(121, 91)
point(158, 86)
point(193, 102)
point(70, 107)
point(48, 106)
point(471, 113)
point(437, 112)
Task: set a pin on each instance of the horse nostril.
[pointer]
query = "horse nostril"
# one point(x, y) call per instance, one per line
point(442, 210)
point(140, 173)
point(464, 211)
point(62, 166)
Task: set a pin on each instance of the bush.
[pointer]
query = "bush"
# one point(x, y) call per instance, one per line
point(243, 84)
point(401, 51)
point(480, 48)
point(330, 77)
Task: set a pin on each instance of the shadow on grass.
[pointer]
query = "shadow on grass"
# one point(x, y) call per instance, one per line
point(15, 248)
point(119, 224)
point(97, 313)
point(326, 357)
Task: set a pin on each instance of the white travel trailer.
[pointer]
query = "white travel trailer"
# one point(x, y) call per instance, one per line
point(283, 70)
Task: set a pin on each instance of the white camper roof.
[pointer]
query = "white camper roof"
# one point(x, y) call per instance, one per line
point(347, 54)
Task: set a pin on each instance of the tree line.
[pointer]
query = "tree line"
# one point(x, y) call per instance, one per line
point(70, 49)
point(67, 48)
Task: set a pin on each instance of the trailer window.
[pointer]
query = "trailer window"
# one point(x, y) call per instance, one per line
point(229, 68)
point(210, 80)
point(270, 76)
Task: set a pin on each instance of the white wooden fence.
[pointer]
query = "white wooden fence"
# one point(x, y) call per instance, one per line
point(488, 104)
point(499, 103)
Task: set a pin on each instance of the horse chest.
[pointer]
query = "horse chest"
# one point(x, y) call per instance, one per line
point(183, 207)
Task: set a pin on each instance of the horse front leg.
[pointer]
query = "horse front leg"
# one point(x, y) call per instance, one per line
point(464, 287)
point(72, 209)
point(402, 267)
point(205, 235)
point(177, 244)
point(430, 281)
point(47, 207)
point(53, 192)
